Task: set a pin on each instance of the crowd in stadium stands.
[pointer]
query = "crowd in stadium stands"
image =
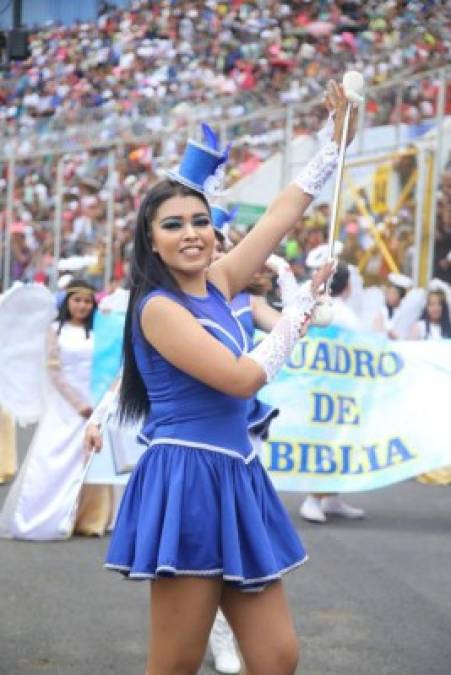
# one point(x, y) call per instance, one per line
point(234, 56)
point(84, 218)
point(150, 67)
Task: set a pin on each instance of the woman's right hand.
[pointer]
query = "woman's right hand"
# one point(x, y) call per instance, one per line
point(93, 439)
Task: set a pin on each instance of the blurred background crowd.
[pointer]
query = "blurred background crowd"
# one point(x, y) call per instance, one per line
point(155, 66)
point(233, 56)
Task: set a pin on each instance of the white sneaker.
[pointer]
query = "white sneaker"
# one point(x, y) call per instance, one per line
point(337, 505)
point(311, 509)
point(223, 648)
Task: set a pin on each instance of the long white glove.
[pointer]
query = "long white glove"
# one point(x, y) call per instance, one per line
point(326, 133)
point(290, 291)
point(318, 170)
point(272, 352)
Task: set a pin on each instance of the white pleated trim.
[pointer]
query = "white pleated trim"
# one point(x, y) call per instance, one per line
point(244, 335)
point(243, 310)
point(200, 446)
point(206, 573)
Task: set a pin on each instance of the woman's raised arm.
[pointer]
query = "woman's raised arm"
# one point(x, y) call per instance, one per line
point(234, 271)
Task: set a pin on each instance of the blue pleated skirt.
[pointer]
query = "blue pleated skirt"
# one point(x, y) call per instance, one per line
point(194, 512)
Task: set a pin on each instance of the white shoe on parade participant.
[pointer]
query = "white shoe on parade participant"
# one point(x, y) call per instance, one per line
point(336, 505)
point(223, 648)
point(311, 509)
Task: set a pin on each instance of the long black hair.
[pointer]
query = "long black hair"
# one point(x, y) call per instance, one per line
point(401, 293)
point(64, 314)
point(445, 323)
point(148, 272)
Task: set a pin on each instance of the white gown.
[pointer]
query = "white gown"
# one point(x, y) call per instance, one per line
point(42, 502)
point(435, 332)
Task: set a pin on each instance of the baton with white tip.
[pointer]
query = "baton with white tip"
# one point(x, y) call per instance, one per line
point(353, 85)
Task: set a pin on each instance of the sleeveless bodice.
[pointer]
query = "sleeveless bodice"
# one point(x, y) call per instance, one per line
point(183, 410)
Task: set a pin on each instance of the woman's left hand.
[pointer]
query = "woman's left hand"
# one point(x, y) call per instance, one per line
point(336, 103)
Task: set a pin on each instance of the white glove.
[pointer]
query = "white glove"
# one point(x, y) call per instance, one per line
point(318, 170)
point(291, 292)
point(275, 348)
point(326, 133)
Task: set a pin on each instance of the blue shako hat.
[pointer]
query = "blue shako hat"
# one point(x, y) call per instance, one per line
point(221, 219)
point(202, 164)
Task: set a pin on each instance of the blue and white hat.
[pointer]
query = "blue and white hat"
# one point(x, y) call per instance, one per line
point(221, 219)
point(202, 166)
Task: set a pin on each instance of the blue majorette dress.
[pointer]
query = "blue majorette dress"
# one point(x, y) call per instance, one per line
point(259, 414)
point(199, 502)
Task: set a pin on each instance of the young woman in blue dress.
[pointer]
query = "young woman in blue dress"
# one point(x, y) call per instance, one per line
point(199, 517)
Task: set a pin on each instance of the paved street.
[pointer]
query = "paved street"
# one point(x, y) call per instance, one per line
point(374, 598)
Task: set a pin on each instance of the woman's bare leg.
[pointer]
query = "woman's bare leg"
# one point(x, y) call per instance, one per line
point(182, 611)
point(264, 629)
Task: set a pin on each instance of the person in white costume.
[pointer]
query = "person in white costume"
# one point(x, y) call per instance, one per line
point(434, 323)
point(396, 290)
point(316, 506)
point(47, 500)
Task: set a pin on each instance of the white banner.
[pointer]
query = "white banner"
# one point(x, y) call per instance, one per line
point(358, 412)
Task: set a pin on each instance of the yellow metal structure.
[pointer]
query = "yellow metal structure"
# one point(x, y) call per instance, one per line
point(379, 205)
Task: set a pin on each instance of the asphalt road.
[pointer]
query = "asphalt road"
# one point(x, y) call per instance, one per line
point(374, 598)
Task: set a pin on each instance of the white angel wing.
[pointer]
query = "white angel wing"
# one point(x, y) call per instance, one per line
point(408, 312)
point(26, 313)
point(373, 299)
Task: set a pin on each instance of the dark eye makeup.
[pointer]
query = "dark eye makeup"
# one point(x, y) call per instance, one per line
point(201, 221)
point(174, 223)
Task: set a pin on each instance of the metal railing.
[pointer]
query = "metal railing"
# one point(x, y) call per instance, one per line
point(124, 132)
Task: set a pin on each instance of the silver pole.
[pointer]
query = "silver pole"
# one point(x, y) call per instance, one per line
point(338, 180)
point(361, 126)
point(8, 221)
point(437, 168)
point(57, 223)
point(285, 171)
point(110, 220)
point(419, 213)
